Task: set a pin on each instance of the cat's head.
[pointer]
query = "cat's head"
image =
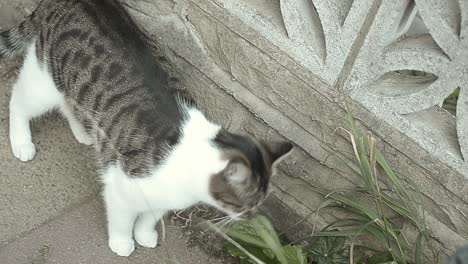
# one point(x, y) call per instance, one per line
point(243, 184)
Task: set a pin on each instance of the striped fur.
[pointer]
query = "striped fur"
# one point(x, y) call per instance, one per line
point(16, 40)
point(99, 60)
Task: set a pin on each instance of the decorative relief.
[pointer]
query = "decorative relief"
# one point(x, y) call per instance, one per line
point(395, 56)
point(317, 34)
point(416, 60)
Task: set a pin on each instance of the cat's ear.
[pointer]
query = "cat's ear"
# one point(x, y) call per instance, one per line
point(237, 171)
point(278, 150)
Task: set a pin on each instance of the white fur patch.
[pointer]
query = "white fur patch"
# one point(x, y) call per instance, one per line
point(181, 181)
point(34, 94)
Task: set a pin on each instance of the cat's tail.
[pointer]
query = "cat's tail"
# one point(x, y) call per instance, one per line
point(16, 40)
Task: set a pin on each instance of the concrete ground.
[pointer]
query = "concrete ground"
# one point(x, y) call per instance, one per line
point(50, 208)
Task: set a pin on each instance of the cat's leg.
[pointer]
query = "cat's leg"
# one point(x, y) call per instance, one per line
point(145, 232)
point(78, 130)
point(34, 93)
point(20, 132)
point(120, 220)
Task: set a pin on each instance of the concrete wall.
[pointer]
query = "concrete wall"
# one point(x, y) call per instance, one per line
point(287, 68)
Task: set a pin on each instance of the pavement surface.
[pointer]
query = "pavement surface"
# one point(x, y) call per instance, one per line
point(50, 208)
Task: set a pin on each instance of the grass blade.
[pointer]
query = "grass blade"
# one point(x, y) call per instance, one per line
point(418, 251)
point(225, 236)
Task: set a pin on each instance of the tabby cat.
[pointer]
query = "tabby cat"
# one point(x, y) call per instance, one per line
point(156, 151)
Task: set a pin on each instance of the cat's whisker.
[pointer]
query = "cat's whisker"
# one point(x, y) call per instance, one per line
point(163, 229)
point(219, 218)
point(229, 220)
point(221, 222)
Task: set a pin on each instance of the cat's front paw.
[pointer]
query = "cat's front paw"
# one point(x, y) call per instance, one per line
point(24, 151)
point(122, 247)
point(147, 239)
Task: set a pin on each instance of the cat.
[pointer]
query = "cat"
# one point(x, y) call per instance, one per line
point(155, 149)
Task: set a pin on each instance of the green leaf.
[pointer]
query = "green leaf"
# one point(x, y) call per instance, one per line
point(379, 258)
point(418, 252)
point(246, 233)
point(258, 233)
point(338, 233)
point(256, 251)
point(267, 233)
point(294, 255)
point(328, 250)
point(364, 209)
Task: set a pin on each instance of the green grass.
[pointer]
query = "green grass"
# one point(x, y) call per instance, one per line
point(375, 211)
point(257, 242)
point(389, 201)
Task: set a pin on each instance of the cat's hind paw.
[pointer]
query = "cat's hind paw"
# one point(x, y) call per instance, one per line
point(147, 239)
point(122, 247)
